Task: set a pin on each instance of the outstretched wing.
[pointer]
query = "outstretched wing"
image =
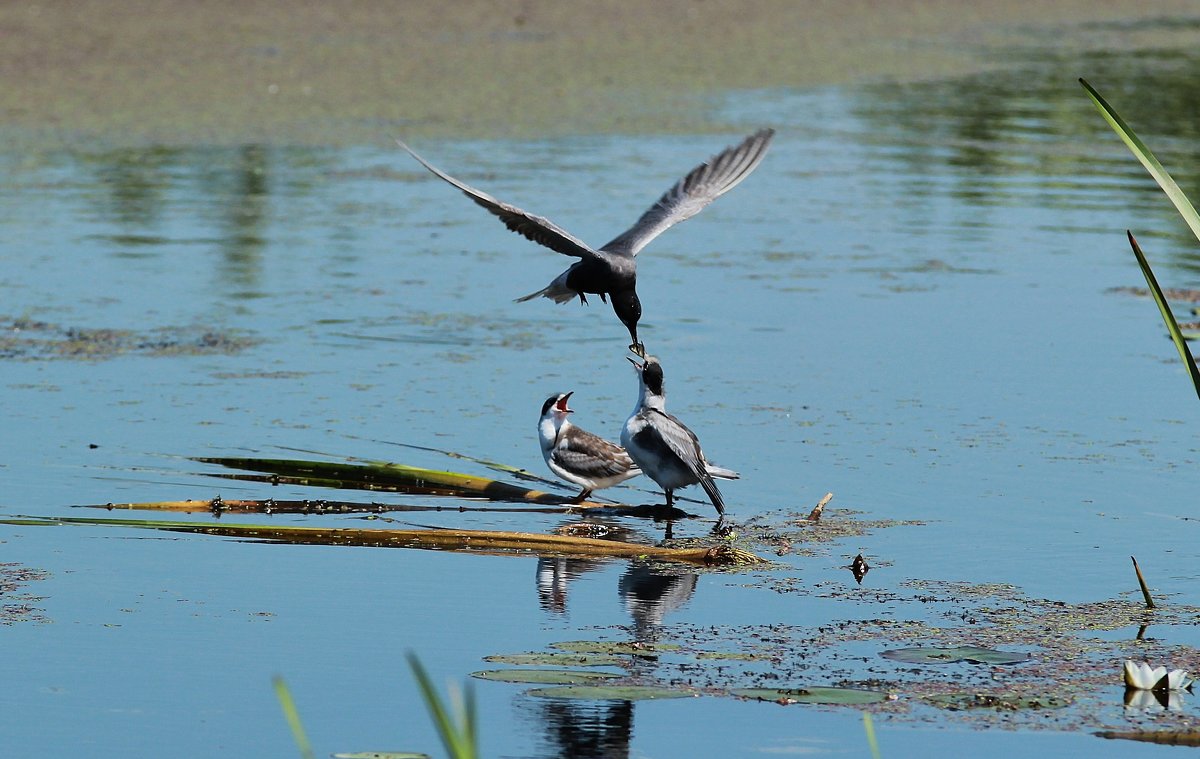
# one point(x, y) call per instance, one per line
point(536, 228)
point(701, 186)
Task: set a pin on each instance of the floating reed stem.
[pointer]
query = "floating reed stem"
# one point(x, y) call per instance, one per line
point(486, 541)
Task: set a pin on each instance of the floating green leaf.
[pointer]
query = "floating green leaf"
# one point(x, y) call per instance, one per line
point(969, 654)
point(1000, 702)
point(544, 676)
point(538, 659)
point(816, 695)
point(629, 648)
point(614, 692)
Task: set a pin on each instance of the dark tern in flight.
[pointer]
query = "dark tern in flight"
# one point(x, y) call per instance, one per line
point(611, 270)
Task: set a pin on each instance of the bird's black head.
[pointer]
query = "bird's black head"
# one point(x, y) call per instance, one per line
point(558, 399)
point(652, 374)
point(628, 309)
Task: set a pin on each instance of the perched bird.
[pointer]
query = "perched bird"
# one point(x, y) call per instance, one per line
point(611, 271)
point(577, 455)
point(662, 446)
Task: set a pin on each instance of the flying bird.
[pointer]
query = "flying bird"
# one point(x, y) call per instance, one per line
point(611, 270)
point(662, 446)
point(578, 456)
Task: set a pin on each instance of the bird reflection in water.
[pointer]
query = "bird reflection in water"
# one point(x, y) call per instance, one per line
point(604, 729)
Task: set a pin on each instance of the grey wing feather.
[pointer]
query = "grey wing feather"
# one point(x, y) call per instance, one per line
point(582, 456)
point(684, 444)
point(535, 228)
point(701, 186)
point(590, 466)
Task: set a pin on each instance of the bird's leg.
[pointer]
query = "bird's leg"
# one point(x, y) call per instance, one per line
point(582, 298)
point(670, 498)
point(722, 528)
point(604, 297)
point(583, 495)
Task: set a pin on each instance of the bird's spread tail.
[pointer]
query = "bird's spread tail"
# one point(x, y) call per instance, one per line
point(554, 292)
point(721, 472)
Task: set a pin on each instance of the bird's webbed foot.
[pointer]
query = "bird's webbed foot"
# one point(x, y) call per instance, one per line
point(638, 349)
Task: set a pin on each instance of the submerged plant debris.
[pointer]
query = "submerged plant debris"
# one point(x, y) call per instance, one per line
point(16, 605)
point(30, 339)
point(1070, 679)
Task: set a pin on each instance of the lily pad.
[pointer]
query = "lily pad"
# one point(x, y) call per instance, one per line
point(544, 676)
point(1003, 702)
point(552, 659)
point(812, 695)
point(619, 648)
point(614, 692)
point(969, 654)
point(731, 656)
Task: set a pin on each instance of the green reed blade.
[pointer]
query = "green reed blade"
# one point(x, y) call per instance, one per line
point(1143, 154)
point(1172, 326)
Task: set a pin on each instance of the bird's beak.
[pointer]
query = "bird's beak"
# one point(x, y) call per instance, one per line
point(633, 361)
point(562, 403)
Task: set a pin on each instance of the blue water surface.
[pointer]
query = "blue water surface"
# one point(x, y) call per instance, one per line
point(908, 304)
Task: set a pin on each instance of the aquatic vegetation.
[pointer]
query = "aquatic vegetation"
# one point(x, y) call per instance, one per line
point(1000, 702)
point(1182, 204)
point(479, 541)
point(811, 695)
point(626, 648)
point(613, 692)
point(544, 676)
point(968, 654)
point(458, 728)
point(534, 658)
point(18, 604)
point(31, 339)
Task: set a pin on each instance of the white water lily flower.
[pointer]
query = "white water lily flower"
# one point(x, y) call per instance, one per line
point(1177, 679)
point(1142, 676)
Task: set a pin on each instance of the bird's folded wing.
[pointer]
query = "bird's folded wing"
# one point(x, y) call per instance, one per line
point(536, 228)
point(701, 186)
point(589, 465)
point(680, 441)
